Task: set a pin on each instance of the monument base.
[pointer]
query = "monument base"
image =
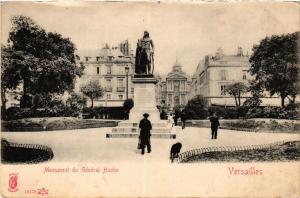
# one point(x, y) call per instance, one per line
point(144, 102)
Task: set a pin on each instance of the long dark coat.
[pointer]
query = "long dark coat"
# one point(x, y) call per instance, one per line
point(145, 126)
point(214, 122)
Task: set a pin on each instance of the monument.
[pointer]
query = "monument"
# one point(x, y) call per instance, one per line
point(144, 96)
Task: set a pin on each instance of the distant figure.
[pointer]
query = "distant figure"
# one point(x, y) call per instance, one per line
point(175, 117)
point(175, 150)
point(183, 118)
point(145, 126)
point(170, 119)
point(214, 120)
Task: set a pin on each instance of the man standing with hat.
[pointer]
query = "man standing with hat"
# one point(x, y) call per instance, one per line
point(145, 126)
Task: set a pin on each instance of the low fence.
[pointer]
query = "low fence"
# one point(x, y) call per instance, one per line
point(48, 153)
point(185, 156)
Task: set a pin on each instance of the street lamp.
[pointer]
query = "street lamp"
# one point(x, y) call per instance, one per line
point(126, 71)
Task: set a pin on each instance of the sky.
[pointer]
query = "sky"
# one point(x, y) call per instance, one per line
point(183, 31)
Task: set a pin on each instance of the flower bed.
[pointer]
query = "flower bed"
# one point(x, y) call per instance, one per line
point(289, 151)
point(255, 125)
point(53, 124)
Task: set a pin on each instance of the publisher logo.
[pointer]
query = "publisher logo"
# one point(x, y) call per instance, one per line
point(13, 182)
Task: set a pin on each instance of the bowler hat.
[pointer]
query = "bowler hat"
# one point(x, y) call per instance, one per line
point(146, 115)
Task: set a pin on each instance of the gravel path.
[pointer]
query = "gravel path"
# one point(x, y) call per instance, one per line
point(91, 145)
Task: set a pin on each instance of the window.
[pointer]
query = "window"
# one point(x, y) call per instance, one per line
point(98, 70)
point(182, 99)
point(120, 70)
point(223, 74)
point(108, 96)
point(176, 85)
point(86, 59)
point(169, 98)
point(244, 75)
point(108, 83)
point(97, 58)
point(176, 100)
point(108, 69)
point(223, 88)
point(182, 86)
point(169, 85)
point(120, 82)
point(120, 97)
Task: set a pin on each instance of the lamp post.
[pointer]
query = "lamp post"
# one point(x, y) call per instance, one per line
point(126, 71)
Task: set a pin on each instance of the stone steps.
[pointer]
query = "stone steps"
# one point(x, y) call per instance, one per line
point(136, 135)
point(154, 124)
point(137, 130)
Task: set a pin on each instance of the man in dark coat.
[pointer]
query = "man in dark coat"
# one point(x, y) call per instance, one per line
point(183, 118)
point(145, 126)
point(214, 120)
point(175, 117)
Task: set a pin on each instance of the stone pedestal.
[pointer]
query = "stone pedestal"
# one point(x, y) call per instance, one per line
point(144, 102)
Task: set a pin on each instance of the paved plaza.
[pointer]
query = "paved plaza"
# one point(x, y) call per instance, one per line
point(91, 145)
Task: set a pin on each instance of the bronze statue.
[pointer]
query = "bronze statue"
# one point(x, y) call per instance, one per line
point(144, 62)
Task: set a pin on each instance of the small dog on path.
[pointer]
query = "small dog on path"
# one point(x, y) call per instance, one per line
point(175, 150)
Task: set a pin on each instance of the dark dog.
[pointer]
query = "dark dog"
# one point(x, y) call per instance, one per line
point(175, 149)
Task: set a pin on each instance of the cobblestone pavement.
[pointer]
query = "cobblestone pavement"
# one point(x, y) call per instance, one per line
point(91, 145)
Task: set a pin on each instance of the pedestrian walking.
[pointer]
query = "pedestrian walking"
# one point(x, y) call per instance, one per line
point(183, 118)
point(170, 119)
point(214, 120)
point(145, 127)
point(175, 117)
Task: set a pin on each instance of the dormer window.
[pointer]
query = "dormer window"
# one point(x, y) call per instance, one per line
point(97, 58)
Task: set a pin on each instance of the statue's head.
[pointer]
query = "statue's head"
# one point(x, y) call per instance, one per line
point(146, 33)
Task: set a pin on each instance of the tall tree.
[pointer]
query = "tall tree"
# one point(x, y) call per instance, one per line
point(256, 94)
point(43, 62)
point(236, 90)
point(275, 64)
point(196, 107)
point(92, 90)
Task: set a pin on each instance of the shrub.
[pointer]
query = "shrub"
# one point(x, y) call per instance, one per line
point(77, 102)
point(26, 101)
point(242, 124)
point(163, 115)
point(14, 113)
point(196, 108)
point(272, 112)
point(255, 112)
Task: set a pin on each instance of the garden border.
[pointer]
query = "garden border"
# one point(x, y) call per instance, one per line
point(32, 146)
point(194, 152)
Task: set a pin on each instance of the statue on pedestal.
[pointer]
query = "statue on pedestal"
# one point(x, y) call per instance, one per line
point(144, 62)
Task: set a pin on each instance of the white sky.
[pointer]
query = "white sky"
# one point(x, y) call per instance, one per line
point(188, 31)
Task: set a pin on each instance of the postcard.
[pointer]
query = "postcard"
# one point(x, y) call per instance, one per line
point(150, 99)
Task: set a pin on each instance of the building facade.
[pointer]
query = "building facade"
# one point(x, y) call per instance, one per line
point(215, 73)
point(176, 87)
point(107, 68)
